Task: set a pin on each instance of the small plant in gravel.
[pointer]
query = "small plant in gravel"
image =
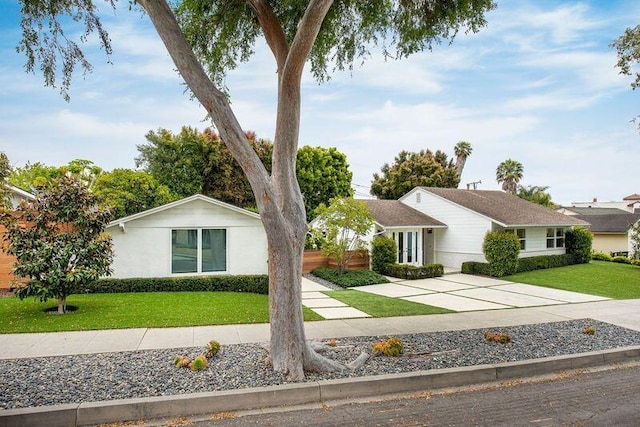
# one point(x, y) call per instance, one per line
point(589, 330)
point(391, 347)
point(181, 361)
point(497, 337)
point(200, 363)
point(213, 348)
point(332, 342)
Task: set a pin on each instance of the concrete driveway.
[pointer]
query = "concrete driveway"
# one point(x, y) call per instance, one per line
point(457, 292)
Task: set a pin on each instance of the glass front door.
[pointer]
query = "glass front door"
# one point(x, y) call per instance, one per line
point(408, 247)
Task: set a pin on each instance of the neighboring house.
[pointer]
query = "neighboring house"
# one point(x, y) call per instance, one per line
point(450, 224)
point(610, 227)
point(193, 236)
point(16, 195)
point(631, 203)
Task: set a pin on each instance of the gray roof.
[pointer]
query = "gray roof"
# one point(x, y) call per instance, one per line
point(596, 211)
point(611, 223)
point(394, 213)
point(504, 208)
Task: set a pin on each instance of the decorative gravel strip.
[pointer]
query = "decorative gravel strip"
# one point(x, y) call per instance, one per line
point(323, 282)
point(84, 378)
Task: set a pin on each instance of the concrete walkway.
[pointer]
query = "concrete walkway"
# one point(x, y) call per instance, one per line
point(624, 313)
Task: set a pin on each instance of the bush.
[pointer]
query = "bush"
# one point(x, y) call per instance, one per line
point(621, 259)
point(578, 243)
point(477, 268)
point(636, 262)
point(350, 278)
point(383, 252)
point(501, 250)
point(391, 347)
point(601, 256)
point(213, 348)
point(258, 284)
point(543, 262)
point(410, 272)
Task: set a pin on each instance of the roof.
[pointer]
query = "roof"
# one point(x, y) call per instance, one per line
point(394, 213)
point(505, 209)
point(20, 192)
point(182, 202)
point(596, 211)
point(634, 196)
point(611, 223)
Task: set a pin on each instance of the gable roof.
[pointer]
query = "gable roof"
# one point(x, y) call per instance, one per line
point(505, 209)
point(634, 196)
point(189, 199)
point(394, 213)
point(611, 223)
point(595, 211)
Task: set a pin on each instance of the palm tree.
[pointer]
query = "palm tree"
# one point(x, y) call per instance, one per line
point(509, 173)
point(462, 150)
point(536, 194)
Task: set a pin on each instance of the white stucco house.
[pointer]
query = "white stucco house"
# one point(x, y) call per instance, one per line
point(447, 225)
point(193, 236)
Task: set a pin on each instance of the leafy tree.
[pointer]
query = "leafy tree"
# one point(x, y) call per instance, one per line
point(84, 170)
point(410, 170)
point(193, 162)
point(509, 173)
point(206, 40)
point(343, 223)
point(323, 174)
point(5, 171)
point(128, 192)
point(462, 150)
point(628, 49)
point(33, 175)
point(536, 194)
point(58, 240)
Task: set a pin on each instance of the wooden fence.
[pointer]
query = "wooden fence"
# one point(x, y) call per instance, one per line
point(315, 259)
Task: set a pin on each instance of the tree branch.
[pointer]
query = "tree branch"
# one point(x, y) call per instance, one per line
point(272, 30)
point(211, 98)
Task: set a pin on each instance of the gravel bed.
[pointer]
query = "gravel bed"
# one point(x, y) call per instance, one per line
point(106, 376)
point(323, 282)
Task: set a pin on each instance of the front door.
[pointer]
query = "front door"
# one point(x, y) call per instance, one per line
point(408, 247)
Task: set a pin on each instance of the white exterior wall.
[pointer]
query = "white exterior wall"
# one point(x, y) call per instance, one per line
point(144, 249)
point(462, 239)
point(536, 243)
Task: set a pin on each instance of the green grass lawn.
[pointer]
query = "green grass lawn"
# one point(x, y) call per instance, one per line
point(607, 279)
point(380, 306)
point(137, 310)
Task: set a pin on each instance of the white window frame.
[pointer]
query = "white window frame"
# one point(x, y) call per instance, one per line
point(523, 239)
point(556, 237)
point(199, 271)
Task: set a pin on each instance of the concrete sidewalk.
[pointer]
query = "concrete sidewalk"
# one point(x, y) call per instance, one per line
point(624, 313)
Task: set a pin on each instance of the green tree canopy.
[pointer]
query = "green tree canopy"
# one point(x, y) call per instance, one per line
point(58, 240)
point(536, 194)
point(323, 174)
point(410, 170)
point(128, 192)
point(33, 175)
point(5, 171)
point(509, 173)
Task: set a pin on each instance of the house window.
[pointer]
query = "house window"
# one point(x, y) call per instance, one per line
point(198, 250)
point(521, 233)
point(555, 238)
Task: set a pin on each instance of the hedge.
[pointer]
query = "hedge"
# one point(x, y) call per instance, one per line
point(524, 264)
point(258, 284)
point(349, 278)
point(410, 272)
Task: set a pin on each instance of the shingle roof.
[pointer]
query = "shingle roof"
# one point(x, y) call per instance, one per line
point(611, 223)
point(505, 208)
point(394, 213)
point(634, 196)
point(596, 211)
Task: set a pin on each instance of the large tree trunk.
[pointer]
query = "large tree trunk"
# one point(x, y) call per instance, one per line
point(278, 196)
point(62, 305)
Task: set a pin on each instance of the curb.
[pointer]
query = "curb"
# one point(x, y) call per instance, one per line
point(92, 413)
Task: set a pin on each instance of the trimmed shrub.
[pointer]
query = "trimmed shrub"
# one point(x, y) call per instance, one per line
point(383, 252)
point(410, 272)
point(621, 259)
point(543, 262)
point(350, 278)
point(501, 250)
point(636, 262)
point(578, 243)
point(601, 256)
point(258, 284)
point(477, 268)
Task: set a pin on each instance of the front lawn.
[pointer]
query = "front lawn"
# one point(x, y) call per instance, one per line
point(606, 279)
point(381, 306)
point(138, 310)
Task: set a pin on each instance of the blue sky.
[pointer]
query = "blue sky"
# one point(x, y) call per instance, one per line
point(537, 85)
